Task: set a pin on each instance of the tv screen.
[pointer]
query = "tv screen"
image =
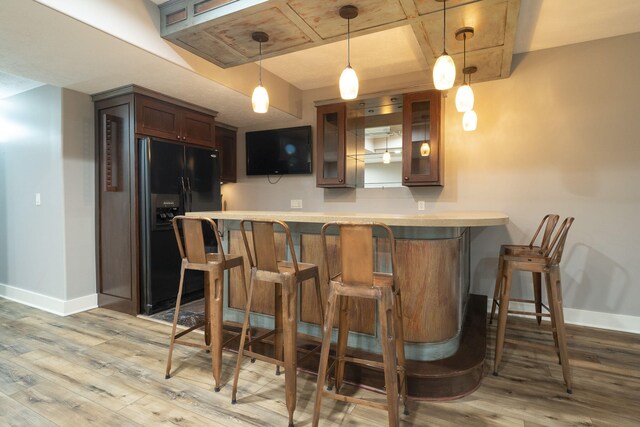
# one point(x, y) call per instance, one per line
point(279, 151)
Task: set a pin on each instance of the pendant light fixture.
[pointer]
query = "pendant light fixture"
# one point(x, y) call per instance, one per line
point(260, 97)
point(444, 71)
point(470, 118)
point(348, 78)
point(386, 157)
point(464, 95)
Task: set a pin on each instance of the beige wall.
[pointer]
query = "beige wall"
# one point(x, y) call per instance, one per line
point(562, 134)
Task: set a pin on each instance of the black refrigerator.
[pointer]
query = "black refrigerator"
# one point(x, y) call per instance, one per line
point(174, 179)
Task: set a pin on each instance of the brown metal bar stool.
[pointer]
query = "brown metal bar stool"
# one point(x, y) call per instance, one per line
point(286, 275)
point(194, 257)
point(549, 265)
point(358, 279)
point(549, 224)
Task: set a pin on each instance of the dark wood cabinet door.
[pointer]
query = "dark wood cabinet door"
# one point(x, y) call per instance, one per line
point(197, 128)
point(157, 118)
point(331, 146)
point(422, 139)
point(226, 145)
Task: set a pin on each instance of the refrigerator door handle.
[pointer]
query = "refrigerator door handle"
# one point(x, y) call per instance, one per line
point(183, 194)
point(190, 194)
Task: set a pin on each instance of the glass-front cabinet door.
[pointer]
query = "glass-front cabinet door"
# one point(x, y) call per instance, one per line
point(330, 148)
point(422, 139)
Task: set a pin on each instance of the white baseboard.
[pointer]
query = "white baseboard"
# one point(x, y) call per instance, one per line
point(594, 319)
point(47, 303)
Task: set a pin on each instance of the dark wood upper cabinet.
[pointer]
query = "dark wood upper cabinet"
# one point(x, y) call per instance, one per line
point(422, 125)
point(226, 145)
point(169, 121)
point(337, 145)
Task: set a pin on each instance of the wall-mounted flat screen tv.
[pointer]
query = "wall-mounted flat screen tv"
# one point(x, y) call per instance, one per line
point(279, 151)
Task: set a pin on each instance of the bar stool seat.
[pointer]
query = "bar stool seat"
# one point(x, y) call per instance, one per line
point(194, 257)
point(287, 276)
point(358, 279)
point(549, 265)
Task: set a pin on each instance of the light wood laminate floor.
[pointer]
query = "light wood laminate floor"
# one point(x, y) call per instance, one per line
point(104, 368)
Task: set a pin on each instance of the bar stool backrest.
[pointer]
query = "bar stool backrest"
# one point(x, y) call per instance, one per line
point(191, 242)
point(356, 251)
point(557, 245)
point(551, 220)
point(264, 244)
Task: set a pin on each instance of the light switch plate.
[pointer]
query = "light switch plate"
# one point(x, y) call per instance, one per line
point(37, 199)
point(296, 204)
point(421, 205)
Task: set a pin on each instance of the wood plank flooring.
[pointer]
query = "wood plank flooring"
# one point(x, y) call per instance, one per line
point(105, 368)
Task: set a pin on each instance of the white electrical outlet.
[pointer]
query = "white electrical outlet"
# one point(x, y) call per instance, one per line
point(296, 204)
point(421, 205)
point(37, 199)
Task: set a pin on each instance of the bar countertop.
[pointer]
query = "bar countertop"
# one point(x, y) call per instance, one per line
point(436, 219)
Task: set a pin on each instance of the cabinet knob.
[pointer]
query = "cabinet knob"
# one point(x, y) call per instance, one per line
point(340, 180)
point(406, 178)
point(179, 137)
point(184, 138)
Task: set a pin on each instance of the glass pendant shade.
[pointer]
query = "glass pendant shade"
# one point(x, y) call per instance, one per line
point(470, 121)
point(260, 99)
point(464, 98)
point(444, 72)
point(348, 84)
point(386, 157)
point(425, 149)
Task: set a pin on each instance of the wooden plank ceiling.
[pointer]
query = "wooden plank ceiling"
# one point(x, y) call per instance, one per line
point(220, 30)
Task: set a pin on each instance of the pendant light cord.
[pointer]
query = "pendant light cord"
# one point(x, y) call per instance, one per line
point(349, 42)
point(444, 29)
point(464, 57)
point(260, 78)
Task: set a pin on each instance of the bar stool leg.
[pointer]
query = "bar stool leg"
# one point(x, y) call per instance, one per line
point(207, 311)
point(215, 306)
point(554, 328)
point(502, 317)
point(556, 302)
point(497, 287)
point(537, 295)
point(277, 338)
point(175, 323)
point(400, 350)
point(343, 337)
point(243, 335)
point(290, 317)
point(246, 299)
point(387, 339)
point(316, 279)
point(327, 328)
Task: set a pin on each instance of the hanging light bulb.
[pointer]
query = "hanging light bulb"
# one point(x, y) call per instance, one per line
point(444, 71)
point(348, 78)
point(464, 95)
point(425, 149)
point(386, 157)
point(470, 121)
point(260, 97)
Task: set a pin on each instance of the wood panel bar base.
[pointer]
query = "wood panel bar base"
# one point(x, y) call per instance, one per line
point(447, 379)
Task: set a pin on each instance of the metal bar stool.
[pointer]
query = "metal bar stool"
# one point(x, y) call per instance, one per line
point(194, 257)
point(286, 275)
point(358, 279)
point(549, 265)
point(549, 224)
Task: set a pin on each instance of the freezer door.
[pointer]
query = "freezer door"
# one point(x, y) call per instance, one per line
point(202, 177)
point(166, 166)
